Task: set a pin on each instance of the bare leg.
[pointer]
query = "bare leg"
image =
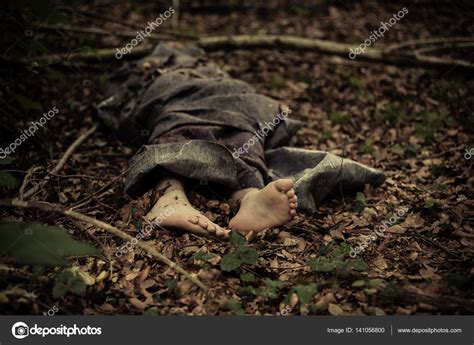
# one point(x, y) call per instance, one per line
point(174, 211)
point(271, 206)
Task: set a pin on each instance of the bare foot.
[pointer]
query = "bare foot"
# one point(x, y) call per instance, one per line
point(173, 211)
point(261, 209)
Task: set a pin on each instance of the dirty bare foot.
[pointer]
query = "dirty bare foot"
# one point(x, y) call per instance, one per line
point(173, 211)
point(271, 206)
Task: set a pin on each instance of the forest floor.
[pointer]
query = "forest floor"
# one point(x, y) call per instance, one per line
point(413, 124)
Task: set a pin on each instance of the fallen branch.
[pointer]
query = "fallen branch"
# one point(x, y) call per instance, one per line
point(330, 47)
point(44, 206)
point(427, 42)
point(392, 55)
point(61, 162)
point(101, 32)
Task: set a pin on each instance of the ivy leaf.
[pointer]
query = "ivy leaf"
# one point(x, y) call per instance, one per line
point(305, 292)
point(370, 291)
point(201, 256)
point(40, 245)
point(357, 264)
point(236, 239)
point(247, 255)
point(376, 282)
point(247, 277)
point(7, 180)
point(430, 203)
point(358, 283)
point(274, 284)
point(271, 288)
point(235, 306)
point(69, 280)
point(230, 262)
point(171, 283)
point(249, 290)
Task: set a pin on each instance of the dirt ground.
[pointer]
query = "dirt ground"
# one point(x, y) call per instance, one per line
point(412, 123)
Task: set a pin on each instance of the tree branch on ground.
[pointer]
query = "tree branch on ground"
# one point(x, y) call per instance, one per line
point(393, 55)
point(44, 206)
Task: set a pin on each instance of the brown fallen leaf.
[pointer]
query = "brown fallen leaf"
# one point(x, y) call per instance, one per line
point(334, 309)
point(380, 263)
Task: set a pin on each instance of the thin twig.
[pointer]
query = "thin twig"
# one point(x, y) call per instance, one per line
point(62, 161)
point(44, 206)
point(102, 32)
point(428, 41)
point(26, 179)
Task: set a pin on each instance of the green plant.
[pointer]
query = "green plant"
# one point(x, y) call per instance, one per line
point(431, 203)
point(392, 113)
point(361, 202)
point(370, 286)
point(438, 170)
point(69, 280)
point(412, 150)
point(41, 245)
point(355, 82)
point(335, 259)
point(234, 306)
point(202, 258)
point(397, 149)
point(391, 290)
point(447, 90)
point(327, 135)
point(304, 293)
point(368, 147)
point(269, 290)
point(431, 122)
point(337, 117)
point(276, 82)
point(241, 255)
point(247, 277)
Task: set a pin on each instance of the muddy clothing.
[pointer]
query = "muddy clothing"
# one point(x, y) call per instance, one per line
point(195, 121)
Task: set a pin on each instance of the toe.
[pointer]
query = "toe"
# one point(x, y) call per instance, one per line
point(203, 224)
point(293, 199)
point(293, 205)
point(290, 193)
point(194, 219)
point(220, 232)
point(293, 212)
point(212, 228)
point(284, 184)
